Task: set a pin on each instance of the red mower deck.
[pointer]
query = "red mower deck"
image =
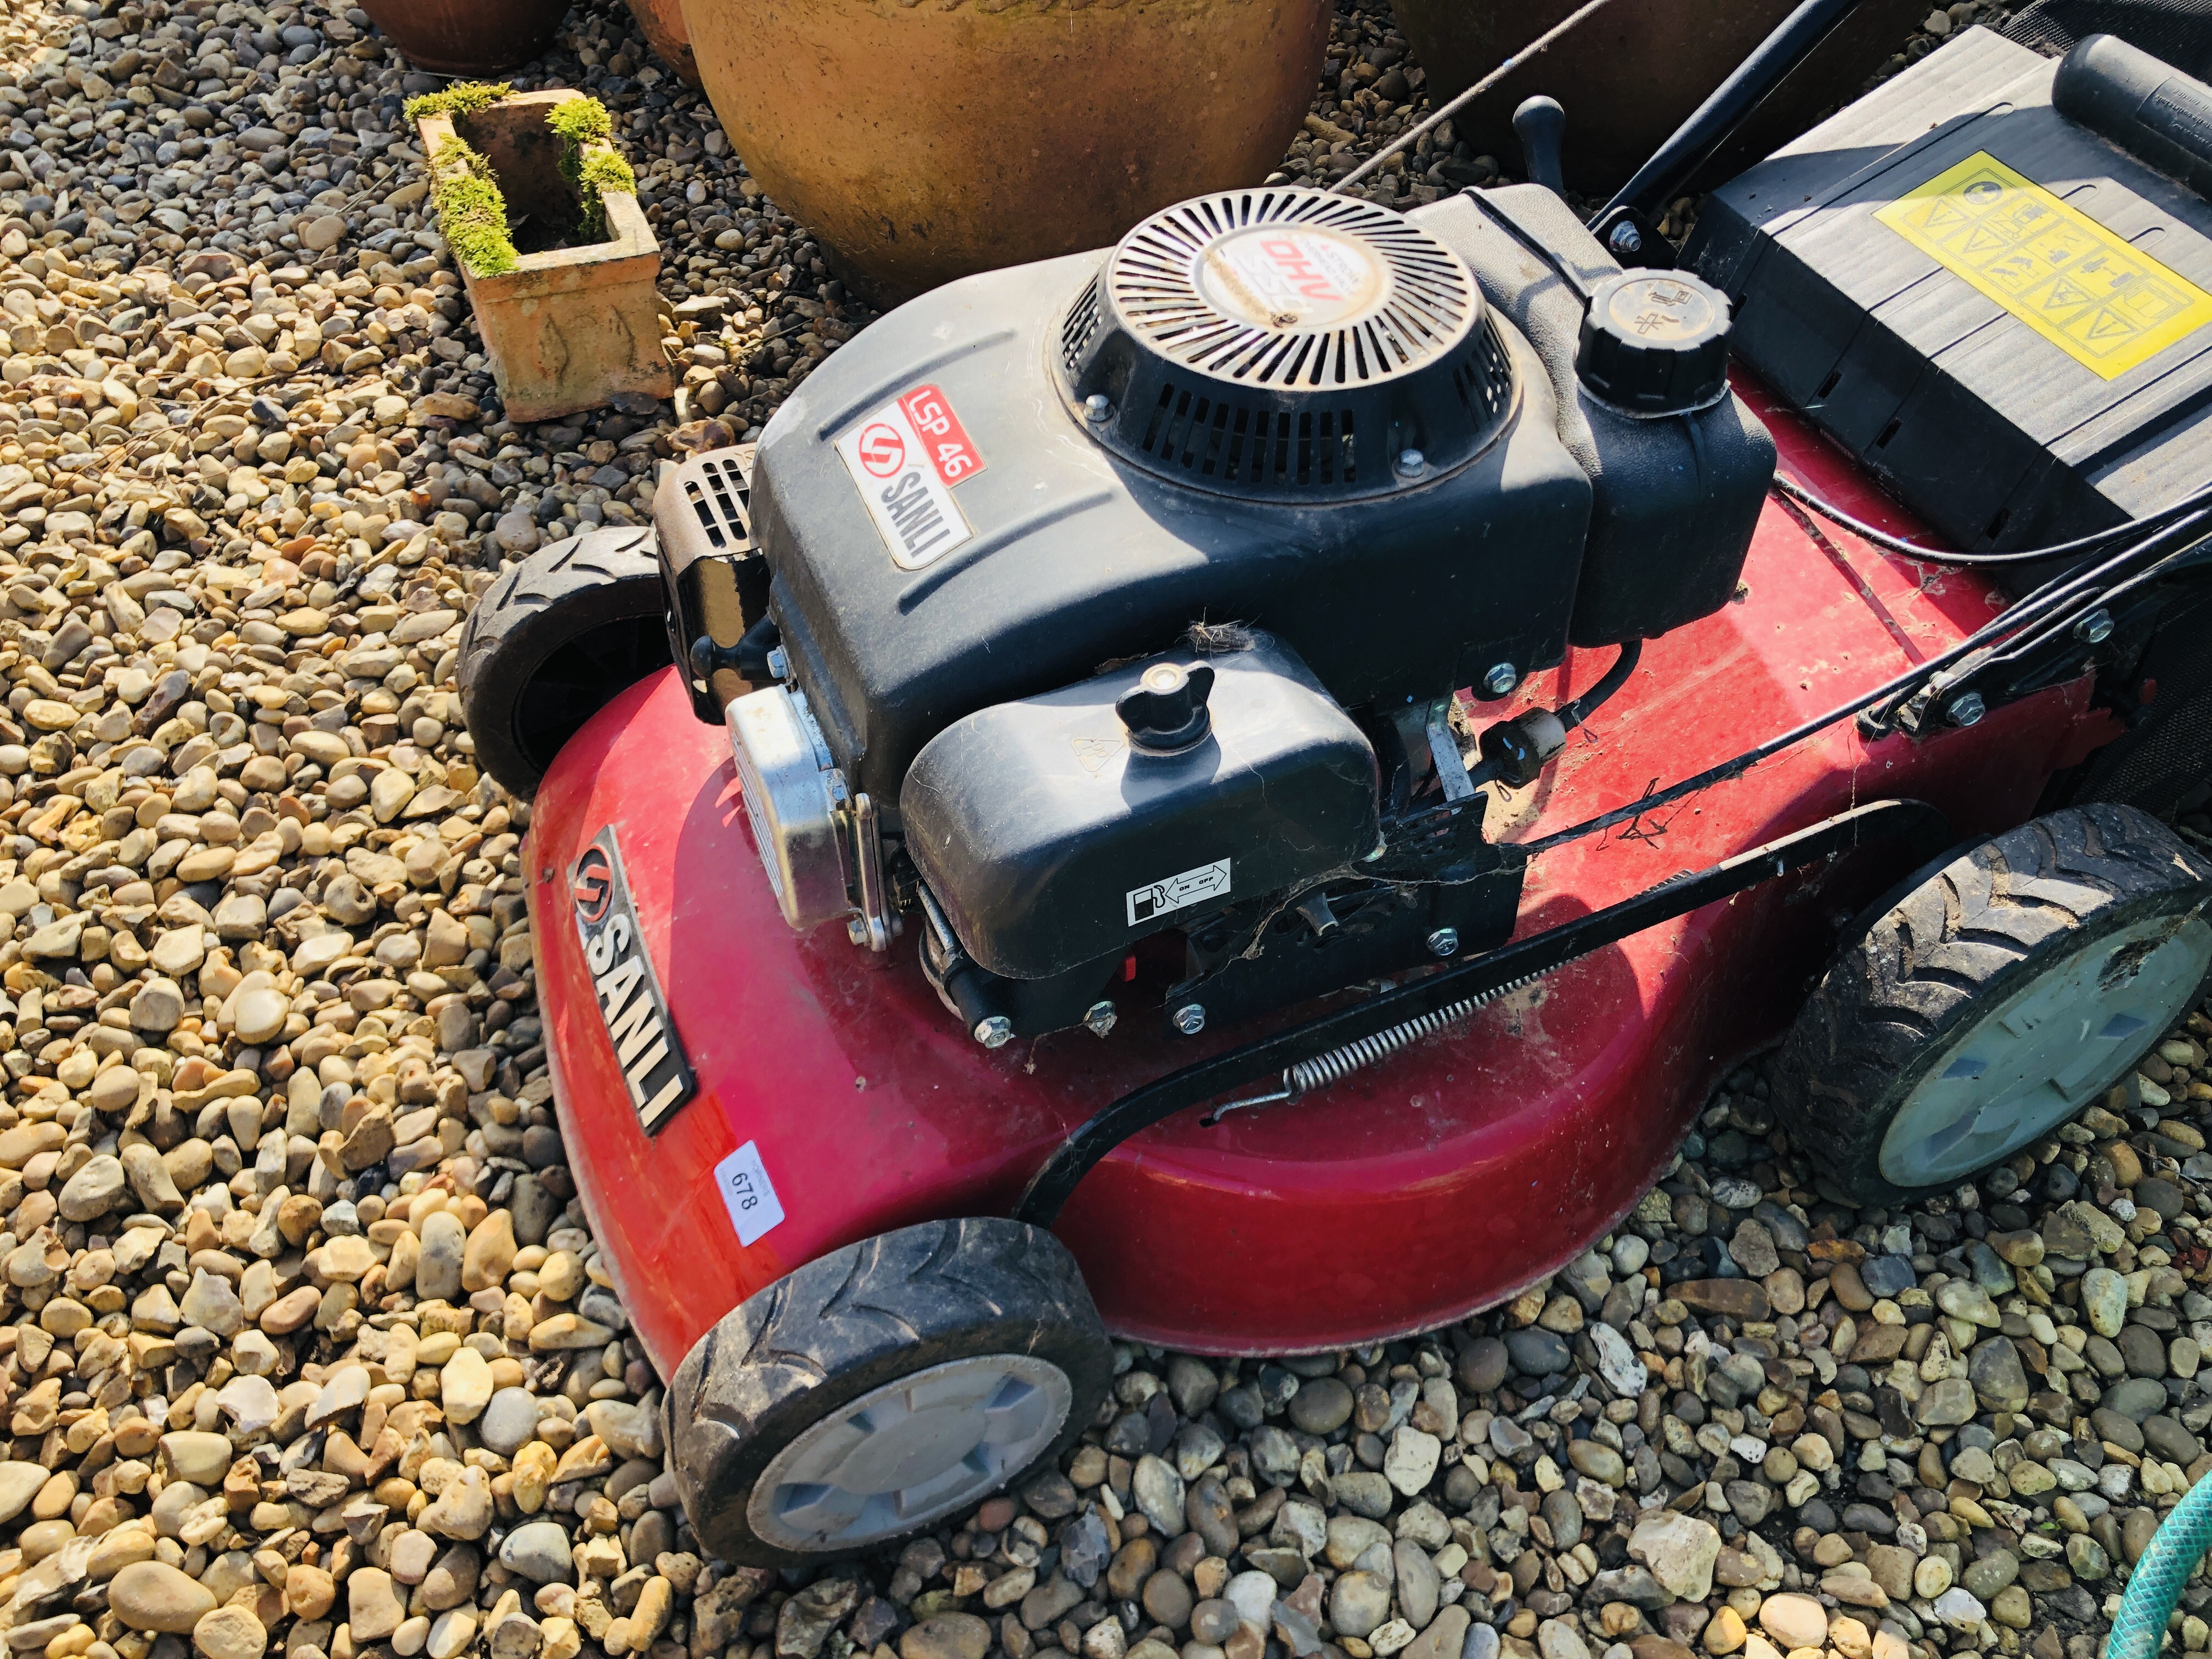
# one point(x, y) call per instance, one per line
point(1418, 1191)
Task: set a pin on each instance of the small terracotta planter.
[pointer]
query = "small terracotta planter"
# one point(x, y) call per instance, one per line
point(569, 328)
point(468, 37)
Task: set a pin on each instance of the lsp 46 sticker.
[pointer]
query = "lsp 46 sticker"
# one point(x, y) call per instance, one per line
point(906, 458)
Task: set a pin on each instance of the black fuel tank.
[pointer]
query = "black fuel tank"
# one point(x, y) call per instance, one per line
point(1053, 840)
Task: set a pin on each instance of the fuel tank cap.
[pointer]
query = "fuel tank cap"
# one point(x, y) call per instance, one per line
point(1655, 343)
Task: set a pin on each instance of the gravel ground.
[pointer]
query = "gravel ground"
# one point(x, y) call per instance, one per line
point(307, 1344)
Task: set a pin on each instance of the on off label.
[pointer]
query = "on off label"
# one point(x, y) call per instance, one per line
point(1158, 898)
point(2105, 303)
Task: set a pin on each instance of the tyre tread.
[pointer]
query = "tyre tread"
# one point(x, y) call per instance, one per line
point(896, 1302)
point(1946, 945)
point(555, 595)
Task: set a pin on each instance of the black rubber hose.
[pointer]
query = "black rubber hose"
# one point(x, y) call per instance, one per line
point(1573, 714)
point(1889, 543)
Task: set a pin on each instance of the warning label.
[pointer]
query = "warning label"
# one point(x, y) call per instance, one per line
point(906, 458)
point(2105, 303)
point(1178, 892)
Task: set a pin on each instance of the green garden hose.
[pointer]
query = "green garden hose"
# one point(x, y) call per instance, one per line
point(2175, 1548)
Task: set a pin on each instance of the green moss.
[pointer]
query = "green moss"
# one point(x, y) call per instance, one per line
point(463, 98)
point(588, 163)
point(580, 121)
point(471, 212)
point(602, 171)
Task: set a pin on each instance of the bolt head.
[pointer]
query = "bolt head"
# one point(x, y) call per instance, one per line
point(1625, 238)
point(779, 663)
point(1097, 406)
point(1099, 1017)
point(994, 1032)
point(1966, 709)
point(2095, 627)
point(1501, 679)
point(1444, 942)
point(1412, 463)
point(1190, 1019)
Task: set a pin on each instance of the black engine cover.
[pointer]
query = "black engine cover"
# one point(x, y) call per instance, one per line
point(1046, 558)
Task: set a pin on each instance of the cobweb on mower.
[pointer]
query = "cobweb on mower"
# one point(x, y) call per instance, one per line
point(2178, 32)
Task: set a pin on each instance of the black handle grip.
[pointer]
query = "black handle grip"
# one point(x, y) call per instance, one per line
point(2148, 107)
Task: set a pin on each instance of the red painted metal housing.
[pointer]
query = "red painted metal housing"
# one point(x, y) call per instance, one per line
point(1414, 1193)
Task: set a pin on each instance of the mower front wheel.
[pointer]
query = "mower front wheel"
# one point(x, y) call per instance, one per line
point(553, 641)
point(883, 1388)
point(1994, 1001)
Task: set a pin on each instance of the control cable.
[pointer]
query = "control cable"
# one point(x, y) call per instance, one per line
point(1406, 140)
point(2035, 608)
point(1889, 543)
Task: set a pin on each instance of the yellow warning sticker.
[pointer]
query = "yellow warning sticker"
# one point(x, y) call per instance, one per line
point(2103, 303)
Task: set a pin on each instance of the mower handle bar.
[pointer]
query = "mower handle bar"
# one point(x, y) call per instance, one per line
point(1710, 124)
point(1689, 145)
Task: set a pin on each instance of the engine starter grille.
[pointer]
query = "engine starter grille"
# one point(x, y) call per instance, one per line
point(1286, 344)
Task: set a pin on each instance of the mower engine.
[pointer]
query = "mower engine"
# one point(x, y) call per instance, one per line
point(1135, 604)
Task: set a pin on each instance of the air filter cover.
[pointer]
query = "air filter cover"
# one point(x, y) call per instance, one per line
point(1285, 344)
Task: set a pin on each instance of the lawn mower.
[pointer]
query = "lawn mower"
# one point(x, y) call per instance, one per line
point(1239, 790)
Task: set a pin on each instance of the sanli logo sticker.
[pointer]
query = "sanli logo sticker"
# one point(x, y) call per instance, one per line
point(906, 457)
point(643, 1036)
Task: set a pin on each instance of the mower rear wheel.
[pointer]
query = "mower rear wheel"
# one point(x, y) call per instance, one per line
point(553, 641)
point(1994, 1001)
point(886, 1387)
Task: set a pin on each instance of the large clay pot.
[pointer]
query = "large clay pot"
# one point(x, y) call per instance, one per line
point(927, 141)
point(666, 33)
point(467, 37)
point(1629, 75)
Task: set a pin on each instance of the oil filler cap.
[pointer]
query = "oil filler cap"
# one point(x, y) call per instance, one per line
point(1655, 343)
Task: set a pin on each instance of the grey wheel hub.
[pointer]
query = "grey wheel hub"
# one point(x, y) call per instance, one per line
point(915, 1450)
point(2046, 1050)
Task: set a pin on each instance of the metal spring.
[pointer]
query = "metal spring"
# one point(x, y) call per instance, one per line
point(1335, 1065)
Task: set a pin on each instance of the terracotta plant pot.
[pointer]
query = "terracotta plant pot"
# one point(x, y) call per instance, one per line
point(569, 328)
point(1631, 74)
point(924, 142)
point(467, 37)
point(665, 31)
